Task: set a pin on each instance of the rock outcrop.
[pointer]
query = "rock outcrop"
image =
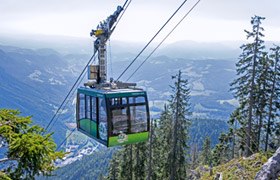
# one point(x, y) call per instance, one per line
point(271, 169)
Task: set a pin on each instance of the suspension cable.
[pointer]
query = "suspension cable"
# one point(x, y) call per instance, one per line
point(65, 139)
point(164, 39)
point(152, 39)
point(72, 88)
point(70, 97)
point(125, 8)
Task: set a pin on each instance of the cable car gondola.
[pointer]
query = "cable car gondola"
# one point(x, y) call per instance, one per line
point(113, 113)
point(113, 116)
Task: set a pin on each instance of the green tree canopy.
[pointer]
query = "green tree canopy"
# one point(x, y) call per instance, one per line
point(27, 151)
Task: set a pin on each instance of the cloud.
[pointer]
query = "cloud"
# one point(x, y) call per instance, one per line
point(240, 10)
point(211, 20)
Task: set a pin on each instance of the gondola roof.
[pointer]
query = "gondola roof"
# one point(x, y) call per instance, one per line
point(109, 92)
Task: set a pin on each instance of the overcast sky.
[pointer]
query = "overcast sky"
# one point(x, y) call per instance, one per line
point(211, 20)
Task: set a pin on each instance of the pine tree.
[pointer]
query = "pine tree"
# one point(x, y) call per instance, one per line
point(244, 87)
point(129, 162)
point(180, 107)
point(206, 154)
point(237, 130)
point(194, 156)
point(234, 121)
point(222, 152)
point(113, 171)
point(262, 86)
point(154, 152)
point(124, 162)
point(140, 161)
point(274, 97)
point(162, 145)
point(28, 152)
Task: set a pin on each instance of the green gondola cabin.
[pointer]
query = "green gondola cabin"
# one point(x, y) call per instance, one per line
point(113, 116)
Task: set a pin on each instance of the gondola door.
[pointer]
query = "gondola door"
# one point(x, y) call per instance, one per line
point(92, 117)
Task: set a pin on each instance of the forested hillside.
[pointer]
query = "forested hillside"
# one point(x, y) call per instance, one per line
point(94, 166)
point(209, 110)
point(199, 130)
point(253, 125)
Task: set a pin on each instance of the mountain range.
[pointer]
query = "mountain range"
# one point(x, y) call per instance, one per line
point(36, 80)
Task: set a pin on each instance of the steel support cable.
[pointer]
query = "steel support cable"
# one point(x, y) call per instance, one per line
point(152, 39)
point(125, 3)
point(164, 39)
point(124, 9)
point(69, 99)
point(65, 139)
point(72, 88)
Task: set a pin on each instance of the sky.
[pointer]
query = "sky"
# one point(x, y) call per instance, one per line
point(211, 20)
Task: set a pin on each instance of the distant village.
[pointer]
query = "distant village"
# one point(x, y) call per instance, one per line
point(77, 151)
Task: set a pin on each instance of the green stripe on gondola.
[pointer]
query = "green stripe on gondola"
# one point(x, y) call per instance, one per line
point(88, 126)
point(128, 139)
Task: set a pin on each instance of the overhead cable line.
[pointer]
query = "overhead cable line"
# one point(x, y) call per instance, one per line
point(72, 88)
point(164, 39)
point(128, 3)
point(65, 139)
point(152, 39)
point(125, 8)
point(65, 104)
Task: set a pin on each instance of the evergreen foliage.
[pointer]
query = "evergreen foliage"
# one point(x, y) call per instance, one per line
point(244, 87)
point(254, 125)
point(194, 156)
point(180, 109)
point(113, 170)
point(202, 128)
point(163, 141)
point(93, 166)
point(273, 127)
point(28, 152)
point(206, 152)
point(221, 152)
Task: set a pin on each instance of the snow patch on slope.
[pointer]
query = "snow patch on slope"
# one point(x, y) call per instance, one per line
point(35, 76)
point(197, 85)
point(233, 102)
point(53, 81)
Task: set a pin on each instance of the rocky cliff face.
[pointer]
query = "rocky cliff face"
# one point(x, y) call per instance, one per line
point(271, 169)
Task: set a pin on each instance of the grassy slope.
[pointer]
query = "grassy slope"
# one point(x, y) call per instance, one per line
point(242, 168)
